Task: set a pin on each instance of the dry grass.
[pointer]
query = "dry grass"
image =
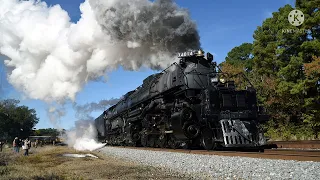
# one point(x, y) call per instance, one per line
point(47, 163)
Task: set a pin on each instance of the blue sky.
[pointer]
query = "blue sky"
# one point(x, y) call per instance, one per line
point(223, 24)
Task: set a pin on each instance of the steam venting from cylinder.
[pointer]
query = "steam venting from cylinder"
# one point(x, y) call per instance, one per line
point(83, 136)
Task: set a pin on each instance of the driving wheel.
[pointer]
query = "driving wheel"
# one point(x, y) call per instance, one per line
point(173, 143)
point(151, 141)
point(144, 140)
point(207, 139)
point(162, 141)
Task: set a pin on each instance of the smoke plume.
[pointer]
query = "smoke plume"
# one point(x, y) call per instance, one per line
point(51, 58)
point(83, 111)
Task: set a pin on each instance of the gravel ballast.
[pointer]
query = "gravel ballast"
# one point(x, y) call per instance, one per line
point(213, 166)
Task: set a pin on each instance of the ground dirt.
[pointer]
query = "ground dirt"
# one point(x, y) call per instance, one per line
point(48, 163)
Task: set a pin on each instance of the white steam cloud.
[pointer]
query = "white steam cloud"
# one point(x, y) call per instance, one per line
point(51, 58)
point(55, 112)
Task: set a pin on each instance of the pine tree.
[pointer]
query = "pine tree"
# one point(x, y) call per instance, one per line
point(284, 69)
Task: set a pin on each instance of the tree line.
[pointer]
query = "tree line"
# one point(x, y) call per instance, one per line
point(48, 132)
point(15, 120)
point(283, 63)
point(19, 121)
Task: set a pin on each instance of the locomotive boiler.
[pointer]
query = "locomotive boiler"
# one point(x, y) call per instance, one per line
point(189, 104)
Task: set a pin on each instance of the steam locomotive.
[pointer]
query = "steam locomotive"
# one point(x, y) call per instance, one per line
point(189, 104)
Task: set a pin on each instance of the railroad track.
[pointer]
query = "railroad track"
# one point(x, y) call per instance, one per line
point(314, 144)
point(285, 154)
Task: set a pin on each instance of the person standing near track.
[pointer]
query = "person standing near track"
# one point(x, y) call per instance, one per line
point(1, 145)
point(16, 145)
point(26, 146)
point(36, 143)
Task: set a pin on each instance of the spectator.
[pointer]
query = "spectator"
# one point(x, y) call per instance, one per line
point(1, 144)
point(16, 145)
point(26, 147)
point(36, 143)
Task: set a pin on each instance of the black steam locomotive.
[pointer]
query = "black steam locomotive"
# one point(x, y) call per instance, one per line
point(189, 104)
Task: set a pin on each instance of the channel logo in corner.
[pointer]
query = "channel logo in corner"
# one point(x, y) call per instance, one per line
point(296, 17)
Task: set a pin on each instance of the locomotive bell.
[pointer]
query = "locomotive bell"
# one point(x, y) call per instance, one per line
point(222, 80)
point(200, 53)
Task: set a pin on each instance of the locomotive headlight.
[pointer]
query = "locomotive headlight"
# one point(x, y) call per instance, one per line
point(222, 80)
point(214, 80)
